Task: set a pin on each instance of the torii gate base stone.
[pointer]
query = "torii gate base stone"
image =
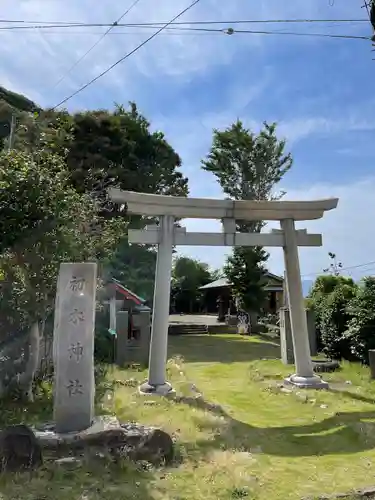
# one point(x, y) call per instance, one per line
point(167, 235)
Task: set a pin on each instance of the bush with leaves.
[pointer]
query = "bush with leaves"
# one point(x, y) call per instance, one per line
point(361, 328)
point(188, 275)
point(334, 317)
point(43, 222)
point(319, 301)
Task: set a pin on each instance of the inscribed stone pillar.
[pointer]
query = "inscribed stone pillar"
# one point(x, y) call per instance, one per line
point(74, 388)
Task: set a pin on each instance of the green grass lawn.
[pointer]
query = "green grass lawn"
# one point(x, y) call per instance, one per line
point(243, 438)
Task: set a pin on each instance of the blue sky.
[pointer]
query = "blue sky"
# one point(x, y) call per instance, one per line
point(319, 90)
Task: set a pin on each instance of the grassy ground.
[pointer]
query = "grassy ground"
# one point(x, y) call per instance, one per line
point(245, 437)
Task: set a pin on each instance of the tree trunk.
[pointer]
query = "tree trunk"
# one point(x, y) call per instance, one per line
point(27, 378)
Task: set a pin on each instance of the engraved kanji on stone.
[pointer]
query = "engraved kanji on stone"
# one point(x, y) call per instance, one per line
point(77, 284)
point(76, 351)
point(74, 388)
point(76, 316)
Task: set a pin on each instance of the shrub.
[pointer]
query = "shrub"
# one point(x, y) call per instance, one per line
point(334, 317)
point(361, 328)
point(328, 299)
point(104, 341)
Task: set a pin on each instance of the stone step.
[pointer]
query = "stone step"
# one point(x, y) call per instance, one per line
point(186, 329)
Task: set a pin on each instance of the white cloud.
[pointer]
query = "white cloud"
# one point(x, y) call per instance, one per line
point(299, 128)
point(39, 59)
point(347, 231)
point(32, 63)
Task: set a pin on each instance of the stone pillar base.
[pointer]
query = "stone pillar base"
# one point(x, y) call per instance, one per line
point(146, 389)
point(313, 382)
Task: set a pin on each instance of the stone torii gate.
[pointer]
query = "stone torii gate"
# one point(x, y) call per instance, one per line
point(166, 235)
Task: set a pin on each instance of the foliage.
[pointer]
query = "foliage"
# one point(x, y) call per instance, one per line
point(325, 284)
point(216, 274)
point(333, 321)
point(108, 148)
point(134, 267)
point(329, 297)
point(334, 266)
point(361, 328)
point(104, 341)
point(245, 270)
point(188, 275)
point(17, 101)
point(248, 166)
point(43, 221)
point(16, 105)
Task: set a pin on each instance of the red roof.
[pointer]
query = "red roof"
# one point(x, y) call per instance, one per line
point(127, 293)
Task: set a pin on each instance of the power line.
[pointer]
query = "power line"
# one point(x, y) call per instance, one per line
point(28, 25)
point(36, 22)
point(133, 33)
point(292, 33)
point(357, 266)
point(96, 43)
point(126, 56)
point(232, 31)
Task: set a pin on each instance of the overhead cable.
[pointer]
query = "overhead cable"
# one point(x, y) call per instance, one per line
point(27, 25)
point(126, 56)
point(357, 266)
point(96, 43)
point(232, 31)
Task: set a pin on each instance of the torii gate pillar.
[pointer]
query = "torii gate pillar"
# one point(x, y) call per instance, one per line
point(160, 318)
point(304, 376)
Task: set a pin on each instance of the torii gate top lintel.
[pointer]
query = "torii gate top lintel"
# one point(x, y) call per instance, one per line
point(206, 208)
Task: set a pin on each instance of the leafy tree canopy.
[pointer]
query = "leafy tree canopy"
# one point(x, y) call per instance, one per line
point(108, 148)
point(248, 166)
point(188, 275)
point(44, 222)
point(17, 101)
point(134, 267)
point(105, 148)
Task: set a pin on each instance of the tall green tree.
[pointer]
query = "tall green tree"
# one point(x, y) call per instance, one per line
point(188, 275)
point(248, 166)
point(134, 267)
point(246, 270)
point(43, 222)
point(107, 148)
